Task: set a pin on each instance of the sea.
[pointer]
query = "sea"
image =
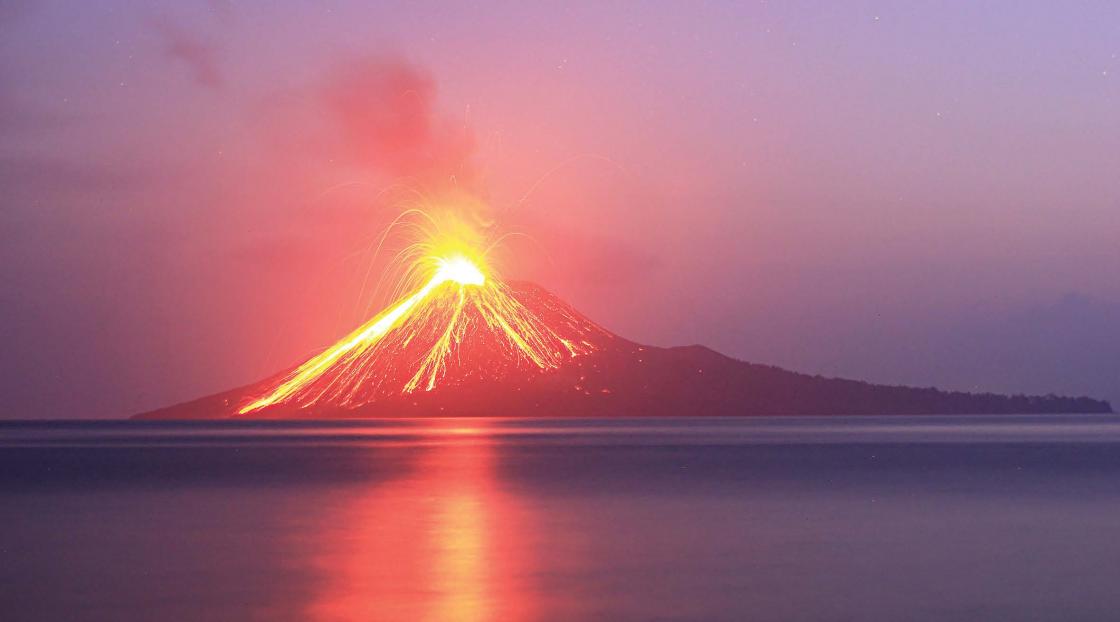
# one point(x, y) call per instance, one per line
point(769, 518)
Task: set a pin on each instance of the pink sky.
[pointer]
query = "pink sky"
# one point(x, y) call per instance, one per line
point(897, 194)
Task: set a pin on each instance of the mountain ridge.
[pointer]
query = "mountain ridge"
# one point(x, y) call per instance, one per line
point(615, 377)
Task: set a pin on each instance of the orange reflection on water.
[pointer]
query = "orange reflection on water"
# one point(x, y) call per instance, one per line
point(444, 542)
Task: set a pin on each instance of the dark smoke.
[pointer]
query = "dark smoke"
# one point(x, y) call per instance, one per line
point(385, 111)
point(199, 57)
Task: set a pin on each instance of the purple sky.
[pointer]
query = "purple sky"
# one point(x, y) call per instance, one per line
point(921, 192)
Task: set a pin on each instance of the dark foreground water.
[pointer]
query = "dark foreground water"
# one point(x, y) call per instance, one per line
point(864, 518)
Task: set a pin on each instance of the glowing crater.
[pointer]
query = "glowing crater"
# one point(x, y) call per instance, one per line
point(459, 269)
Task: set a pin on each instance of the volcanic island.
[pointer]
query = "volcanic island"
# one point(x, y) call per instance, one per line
point(461, 342)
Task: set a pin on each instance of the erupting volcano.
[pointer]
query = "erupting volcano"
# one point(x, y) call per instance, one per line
point(460, 341)
point(459, 328)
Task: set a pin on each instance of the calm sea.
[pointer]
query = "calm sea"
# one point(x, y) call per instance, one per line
point(844, 518)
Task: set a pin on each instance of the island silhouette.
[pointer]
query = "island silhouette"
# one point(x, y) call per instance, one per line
point(455, 355)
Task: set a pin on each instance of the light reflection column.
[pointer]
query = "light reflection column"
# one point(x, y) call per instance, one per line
point(445, 542)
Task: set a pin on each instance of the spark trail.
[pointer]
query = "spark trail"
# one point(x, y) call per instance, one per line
point(462, 324)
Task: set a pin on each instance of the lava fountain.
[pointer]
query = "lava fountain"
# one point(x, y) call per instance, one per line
point(456, 322)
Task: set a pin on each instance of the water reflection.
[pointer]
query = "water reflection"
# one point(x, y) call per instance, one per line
point(444, 542)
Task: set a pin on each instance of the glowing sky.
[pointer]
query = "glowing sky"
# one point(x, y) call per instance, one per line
point(919, 192)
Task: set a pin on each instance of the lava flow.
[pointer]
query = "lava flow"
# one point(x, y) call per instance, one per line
point(458, 323)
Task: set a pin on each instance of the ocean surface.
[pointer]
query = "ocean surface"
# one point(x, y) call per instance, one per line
point(842, 518)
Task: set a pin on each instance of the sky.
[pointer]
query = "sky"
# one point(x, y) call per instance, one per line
point(917, 193)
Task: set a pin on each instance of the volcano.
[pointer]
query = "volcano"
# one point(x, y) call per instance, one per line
point(464, 346)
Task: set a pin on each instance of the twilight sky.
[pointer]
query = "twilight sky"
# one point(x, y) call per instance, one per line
point(921, 192)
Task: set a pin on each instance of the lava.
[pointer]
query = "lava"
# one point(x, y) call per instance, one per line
point(458, 323)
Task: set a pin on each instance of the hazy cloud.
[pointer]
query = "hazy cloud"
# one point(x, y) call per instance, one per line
point(182, 46)
point(11, 10)
point(222, 8)
point(40, 176)
point(385, 111)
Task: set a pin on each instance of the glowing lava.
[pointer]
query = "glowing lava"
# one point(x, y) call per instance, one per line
point(462, 324)
point(460, 270)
